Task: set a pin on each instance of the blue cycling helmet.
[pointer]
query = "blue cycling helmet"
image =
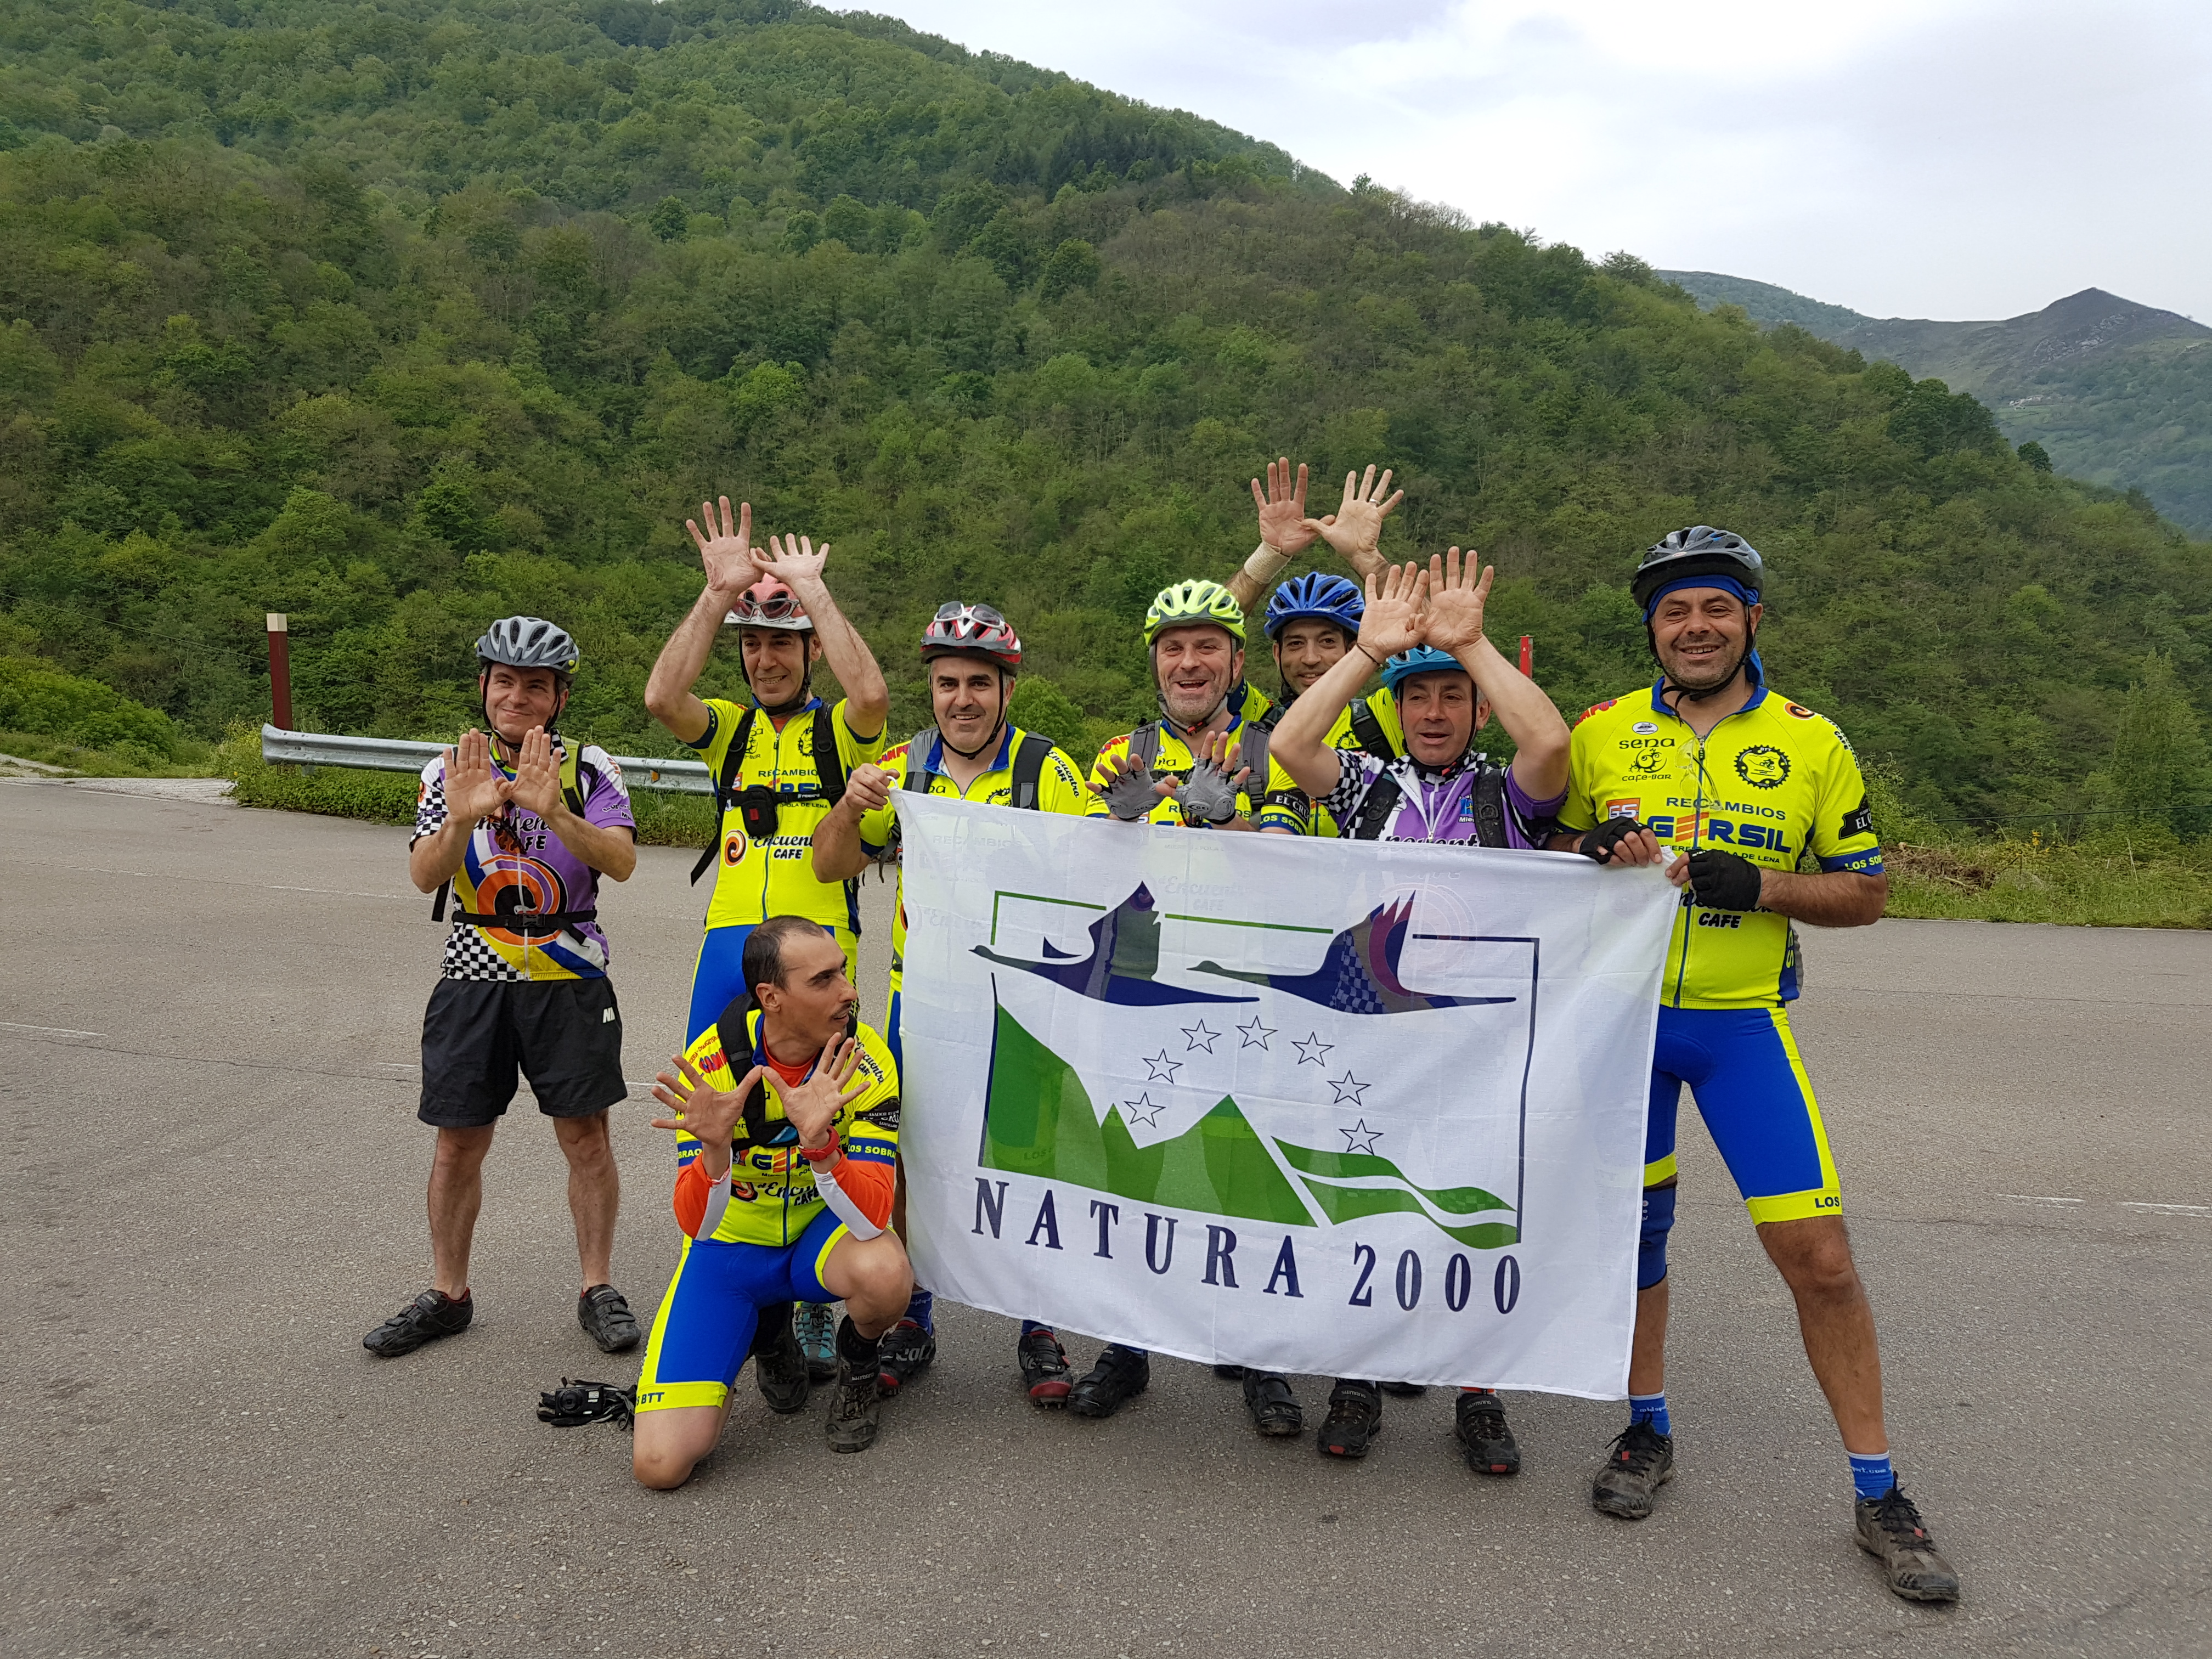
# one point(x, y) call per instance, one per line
point(1325, 598)
point(1421, 659)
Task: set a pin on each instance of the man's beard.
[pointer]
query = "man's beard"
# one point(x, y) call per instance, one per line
point(1713, 681)
point(1192, 708)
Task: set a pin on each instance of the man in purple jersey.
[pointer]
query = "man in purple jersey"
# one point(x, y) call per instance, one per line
point(522, 824)
point(1423, 628)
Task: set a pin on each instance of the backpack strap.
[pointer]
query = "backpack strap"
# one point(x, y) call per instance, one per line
point(918, 773)
point(828, 765)
point(1368, 732)
point(732, 758)
point(1376, 807)
point(1252, 750)
point(1029, 756)
point(1490, 805)
point(1144, 745)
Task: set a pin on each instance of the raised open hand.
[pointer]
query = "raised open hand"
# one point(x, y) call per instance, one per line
point(537, 785)
point(474, 788)
point(1394, 618)
point(792, 560)
point(725, 547)
point(1355, 529)
point(1127, 790)
point(1209, 794)
point(1456, 598)
point(813, 1106)
point(697, 1108)
point(1283, 522)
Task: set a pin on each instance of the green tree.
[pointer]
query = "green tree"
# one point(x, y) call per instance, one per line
point(669, 219)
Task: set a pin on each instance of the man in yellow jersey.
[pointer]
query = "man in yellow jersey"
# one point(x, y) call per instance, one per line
point(1747, 784)
point(781, 765)
point(1354, 530)
point(522, 824)
point(786, 1112)
point(973, 752)
point(1312, 621)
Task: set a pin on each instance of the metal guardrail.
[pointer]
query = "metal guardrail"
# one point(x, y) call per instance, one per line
point(683, 777)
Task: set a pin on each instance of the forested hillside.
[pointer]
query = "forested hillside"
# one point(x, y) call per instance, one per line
point(398, 316)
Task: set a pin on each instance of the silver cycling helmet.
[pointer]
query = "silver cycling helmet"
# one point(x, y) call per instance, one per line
point(529, 643)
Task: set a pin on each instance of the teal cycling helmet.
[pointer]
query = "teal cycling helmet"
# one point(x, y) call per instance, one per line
point(1421, 659)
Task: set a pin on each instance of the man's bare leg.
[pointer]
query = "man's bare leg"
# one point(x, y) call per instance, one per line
point(456, 1195)
point(594, 1192)
point(1836, 1321)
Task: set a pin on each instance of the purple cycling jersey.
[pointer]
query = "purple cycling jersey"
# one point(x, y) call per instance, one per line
point(1433, 805)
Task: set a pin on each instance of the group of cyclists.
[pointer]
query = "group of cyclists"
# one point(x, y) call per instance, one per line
point(785, 1104)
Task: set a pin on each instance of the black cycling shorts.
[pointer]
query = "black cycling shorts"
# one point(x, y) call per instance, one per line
point(564, 1035)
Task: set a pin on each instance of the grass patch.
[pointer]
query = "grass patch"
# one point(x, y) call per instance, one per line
point(191, 760)
point(2116, 878)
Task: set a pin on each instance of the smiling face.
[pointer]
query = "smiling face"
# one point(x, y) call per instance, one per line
point(969, 696)
point(1702, 636)
point(815, 1000)
point(516, 699)
point(1441, 712)
point(1306, 649)
point(1195, 665)
point(775, 661)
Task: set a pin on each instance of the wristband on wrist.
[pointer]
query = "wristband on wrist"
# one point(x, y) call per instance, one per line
point(1264, 563)
point(823, 1153)
point(1368, 655)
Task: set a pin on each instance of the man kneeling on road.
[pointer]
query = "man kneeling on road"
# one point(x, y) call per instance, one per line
point(523, 825)
point(813, 1118)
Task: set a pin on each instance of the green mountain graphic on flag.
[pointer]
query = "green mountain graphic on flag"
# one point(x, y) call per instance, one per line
point(1039, 1121)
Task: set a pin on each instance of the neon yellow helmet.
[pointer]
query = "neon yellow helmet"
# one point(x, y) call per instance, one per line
point(1195, 601)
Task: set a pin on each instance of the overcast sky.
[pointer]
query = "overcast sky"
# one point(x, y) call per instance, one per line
point(1911, 158)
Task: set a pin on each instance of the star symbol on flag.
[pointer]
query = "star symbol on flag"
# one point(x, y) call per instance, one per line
point(1141, 1110)
point(1163, 1068)
point(1348, 1088)
point(1312, 1048)
point(1359, 1137)
point(1199, 1037)
point(1255, 1035)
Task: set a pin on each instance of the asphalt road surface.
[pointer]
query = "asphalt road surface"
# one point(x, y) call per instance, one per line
point(215, 1187)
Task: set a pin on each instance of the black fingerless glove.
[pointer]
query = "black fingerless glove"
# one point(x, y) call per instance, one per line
point(1723, 881)
point(1599, 843)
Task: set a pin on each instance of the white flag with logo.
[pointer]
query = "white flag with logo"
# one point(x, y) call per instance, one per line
point(1345, 1107)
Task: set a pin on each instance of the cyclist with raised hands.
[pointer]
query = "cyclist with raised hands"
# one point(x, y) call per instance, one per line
point(971, 751)
point(1354, 531)
point(781, 764)
point(1312, 623)
point(1424, 631)
point(786, 1111)
point(518, 823)
point(1746, 785)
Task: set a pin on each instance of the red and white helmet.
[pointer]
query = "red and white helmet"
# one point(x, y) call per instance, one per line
point(770, 603)
point(973, 629)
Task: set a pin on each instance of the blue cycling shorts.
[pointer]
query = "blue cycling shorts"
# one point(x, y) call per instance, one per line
point(1743, 1068)
point(705, 1326)
point(720, 973)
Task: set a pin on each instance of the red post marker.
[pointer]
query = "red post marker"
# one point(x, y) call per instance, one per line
point(280, 670)
point(1528, 656)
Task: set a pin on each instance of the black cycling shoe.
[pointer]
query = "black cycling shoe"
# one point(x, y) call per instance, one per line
point(854, 1408)
point(1121, 1374)
point(1355, 1418)
point(1890, 1529)
point(1640, 1460)
point(1404, 1390)
point(1478, 1426)
point(607, 1320)
point(904, 1353)
point(1045, 1369)
point(779, 1369)
point(428, 1317)
point(1274, 1408)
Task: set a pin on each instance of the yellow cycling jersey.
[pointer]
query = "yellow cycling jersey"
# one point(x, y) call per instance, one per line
point(774, 877)
point(1248, 702)
point(1289, 807)
point(1174, 760)
point(772, 1197)
point(1059, 789)
point(1770, 783)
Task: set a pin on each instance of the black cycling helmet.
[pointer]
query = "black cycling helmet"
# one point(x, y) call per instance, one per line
point(1700, 550)
point(528, 643)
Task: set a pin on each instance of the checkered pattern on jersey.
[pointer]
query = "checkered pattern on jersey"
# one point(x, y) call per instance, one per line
point(467, 956)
